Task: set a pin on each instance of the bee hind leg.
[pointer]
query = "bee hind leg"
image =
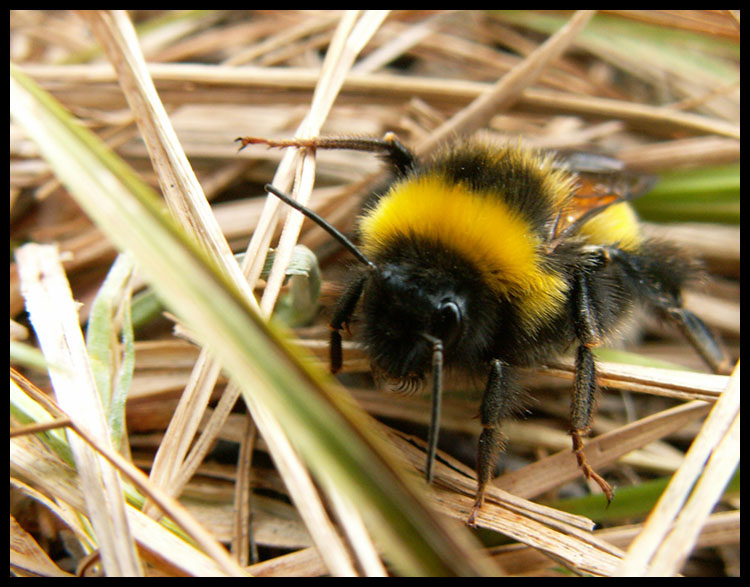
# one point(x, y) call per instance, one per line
point(702, 339)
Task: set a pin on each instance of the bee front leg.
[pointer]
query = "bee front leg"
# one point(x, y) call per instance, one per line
point(501, 398)
point(342, 314)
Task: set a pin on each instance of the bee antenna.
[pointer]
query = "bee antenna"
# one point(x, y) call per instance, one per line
point(330, 229)
point(437, 393)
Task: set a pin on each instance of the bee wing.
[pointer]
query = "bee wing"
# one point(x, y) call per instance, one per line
point(601, 182)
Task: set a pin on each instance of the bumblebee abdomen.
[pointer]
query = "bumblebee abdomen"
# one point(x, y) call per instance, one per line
point(616, 225)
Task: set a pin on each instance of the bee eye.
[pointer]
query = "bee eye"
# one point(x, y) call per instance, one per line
point(448, 322)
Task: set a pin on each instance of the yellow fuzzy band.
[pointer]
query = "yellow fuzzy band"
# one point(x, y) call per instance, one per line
point(482, 228)
point(616, 225)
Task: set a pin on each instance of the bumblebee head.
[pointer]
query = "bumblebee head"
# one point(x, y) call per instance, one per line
point(405, 311)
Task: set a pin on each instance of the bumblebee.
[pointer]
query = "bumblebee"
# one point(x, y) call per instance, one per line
point(489, 259)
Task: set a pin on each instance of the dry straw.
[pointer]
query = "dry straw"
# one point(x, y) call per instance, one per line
point(660, 89)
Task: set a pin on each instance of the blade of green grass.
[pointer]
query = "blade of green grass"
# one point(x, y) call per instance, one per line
point(631, 503)
point(706, 194)
point(113, 386)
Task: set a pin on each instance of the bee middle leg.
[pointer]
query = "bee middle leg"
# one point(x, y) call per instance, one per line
point(501, 398)
point(582, 408)
point(583, 402)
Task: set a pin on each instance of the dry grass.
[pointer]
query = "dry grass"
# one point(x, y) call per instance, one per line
point(658, 89)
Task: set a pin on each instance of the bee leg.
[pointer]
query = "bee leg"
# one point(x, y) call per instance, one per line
point(582, 409)
point(703, 341)
point(389, 147)
point(662, 292)
point(583, 402)
point(501, 397)
point(342, 314)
